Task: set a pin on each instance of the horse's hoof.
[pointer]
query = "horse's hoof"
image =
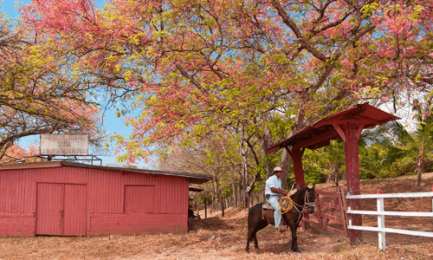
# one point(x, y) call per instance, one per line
point(299, 250)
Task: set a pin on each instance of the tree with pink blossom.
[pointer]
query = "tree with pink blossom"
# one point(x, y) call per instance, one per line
point(37, 94)
point(270, 67)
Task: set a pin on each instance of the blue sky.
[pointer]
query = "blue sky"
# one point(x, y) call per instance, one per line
point(8, 7)
point(112, 123)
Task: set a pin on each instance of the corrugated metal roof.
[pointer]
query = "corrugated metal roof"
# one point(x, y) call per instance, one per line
point(193, 177)
point(320, 133)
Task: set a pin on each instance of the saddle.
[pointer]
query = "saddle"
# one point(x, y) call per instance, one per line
point(265, 216)
point(266, 205)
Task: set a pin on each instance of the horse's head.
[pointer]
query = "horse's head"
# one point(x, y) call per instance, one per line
point(310, 198)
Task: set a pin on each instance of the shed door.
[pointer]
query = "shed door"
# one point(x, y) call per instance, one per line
point(61, 209)
point(75, 210)
point(50, 209)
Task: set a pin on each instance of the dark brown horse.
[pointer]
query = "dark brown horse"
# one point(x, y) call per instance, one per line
point(258, 220)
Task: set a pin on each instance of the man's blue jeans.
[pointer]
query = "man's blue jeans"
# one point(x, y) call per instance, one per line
point(273, 200)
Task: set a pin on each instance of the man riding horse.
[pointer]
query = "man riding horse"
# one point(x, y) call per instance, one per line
point(273, 194)
point(260, 215)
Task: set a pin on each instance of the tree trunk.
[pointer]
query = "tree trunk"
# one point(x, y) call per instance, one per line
point(219, 198)
point(196, 204)
point(244, 177)
point(266, 141)
point(232, 176)
point(337, 174)
point(330, 175)
point(419, 166)
point(285, 162)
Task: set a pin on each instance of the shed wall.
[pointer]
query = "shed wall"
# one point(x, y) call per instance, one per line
point(105, 209)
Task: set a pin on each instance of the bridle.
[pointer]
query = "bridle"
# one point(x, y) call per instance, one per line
point(307, 204)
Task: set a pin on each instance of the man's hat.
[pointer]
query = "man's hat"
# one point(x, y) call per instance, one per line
point(277, 169)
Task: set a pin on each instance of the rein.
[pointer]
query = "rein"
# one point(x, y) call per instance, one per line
point(306, 205)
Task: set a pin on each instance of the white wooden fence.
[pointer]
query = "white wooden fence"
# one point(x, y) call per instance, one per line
point(381, 213)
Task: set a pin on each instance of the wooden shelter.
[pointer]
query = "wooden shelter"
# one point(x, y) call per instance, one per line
point(348, 125)
point(74, 199)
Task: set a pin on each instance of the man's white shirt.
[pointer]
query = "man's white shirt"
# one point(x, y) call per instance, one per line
point(272, 182)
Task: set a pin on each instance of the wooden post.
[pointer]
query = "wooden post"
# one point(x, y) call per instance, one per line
point(350, 133)
point(318, 210)
point(205, 208)
point(196, 205)
point(344, 209)
point(296, 154)
point(432, 202)
point(381, 221)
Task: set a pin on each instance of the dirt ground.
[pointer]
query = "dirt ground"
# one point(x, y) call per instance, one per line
point(225, 238)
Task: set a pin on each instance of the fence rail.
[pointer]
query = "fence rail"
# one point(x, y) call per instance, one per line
point(391, 195)
point(392, 213)
point(381, 213)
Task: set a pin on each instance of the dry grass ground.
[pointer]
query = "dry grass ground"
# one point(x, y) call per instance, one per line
point(229, 237)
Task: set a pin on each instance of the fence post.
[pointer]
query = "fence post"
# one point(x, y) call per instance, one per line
point(432, 201)
point(205, 208)
point(344, 210)
point(381, 221)
point(319, 210)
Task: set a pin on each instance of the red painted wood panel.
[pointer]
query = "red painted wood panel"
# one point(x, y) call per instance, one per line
point(50, 201)
point(171, 195)
point(138, 223)
point(11, 193)
point(16, 224)
point(75, 210)
point(139, 198)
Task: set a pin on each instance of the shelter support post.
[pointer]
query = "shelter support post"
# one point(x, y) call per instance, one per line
point(296, 154)
point(350, 133)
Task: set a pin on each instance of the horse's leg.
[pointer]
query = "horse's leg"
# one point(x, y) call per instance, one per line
point(252, 231)
point(256, 243)
point(248, 242)
point(262, 224)
point(254, 217)
point(294, 229)
point(250, 235)
point(255, 224)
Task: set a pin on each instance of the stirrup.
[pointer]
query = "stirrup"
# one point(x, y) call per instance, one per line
point(282, 228)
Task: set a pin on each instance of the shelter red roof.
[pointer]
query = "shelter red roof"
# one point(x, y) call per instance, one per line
point(323, 131)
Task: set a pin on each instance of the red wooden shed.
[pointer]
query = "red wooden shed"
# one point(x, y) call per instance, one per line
point(74, 199)
point(348, 125)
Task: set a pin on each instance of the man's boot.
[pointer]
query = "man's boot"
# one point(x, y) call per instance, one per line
point(282, 228)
